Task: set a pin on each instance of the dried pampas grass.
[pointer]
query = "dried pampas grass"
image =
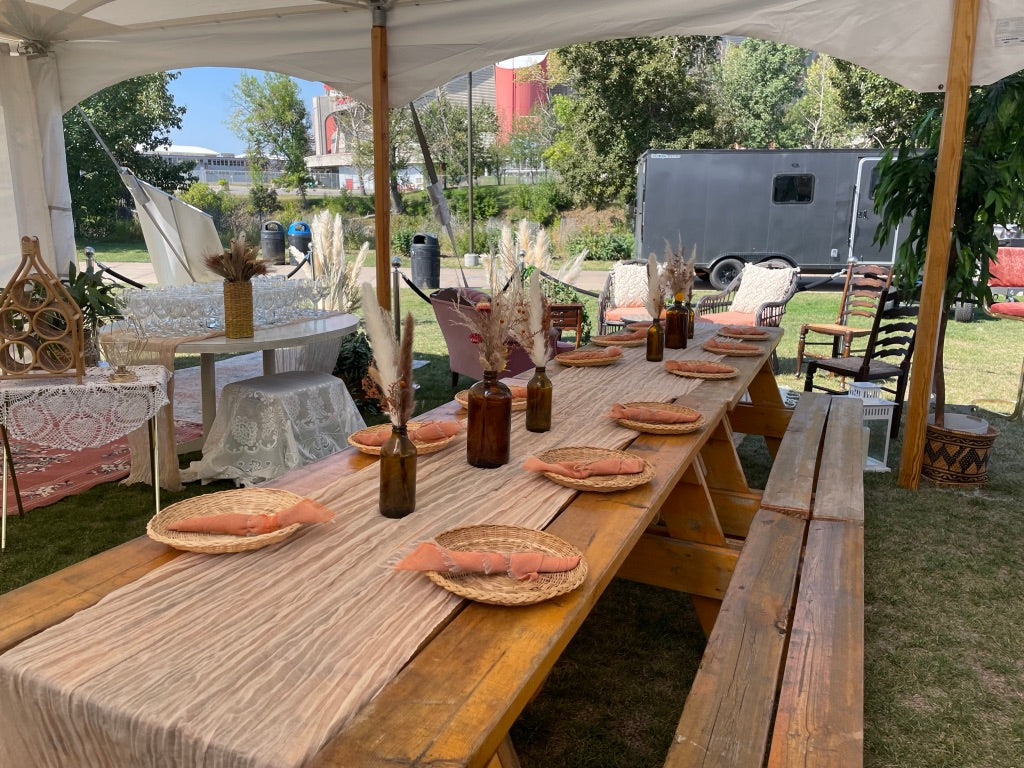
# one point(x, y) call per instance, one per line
point(392, 362)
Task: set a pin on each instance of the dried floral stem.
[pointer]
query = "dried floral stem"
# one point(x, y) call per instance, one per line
point(655, 293)
point(392, 368)
point(237, 264)
point(492, 323)
point(678, 273)
point(532, 325)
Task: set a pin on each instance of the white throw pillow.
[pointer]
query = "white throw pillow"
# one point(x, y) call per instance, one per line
point(629, 285)
point(761, 285)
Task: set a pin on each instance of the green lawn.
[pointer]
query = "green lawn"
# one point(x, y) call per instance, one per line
point(944, 675)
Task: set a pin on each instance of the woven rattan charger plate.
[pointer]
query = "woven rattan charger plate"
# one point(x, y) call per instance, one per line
point(600, 483)
point(749, 336)
point(248, 501)
point(422, 448)
point(462, 398)
point(710, 346)
point(499, 588)
point(611, 341)
point(724, 374)
point(587, 363)
point(663, 429)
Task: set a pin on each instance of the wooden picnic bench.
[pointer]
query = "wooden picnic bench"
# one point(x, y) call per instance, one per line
point(782, 675)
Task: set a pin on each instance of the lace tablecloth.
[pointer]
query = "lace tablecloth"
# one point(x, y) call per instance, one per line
point(60, 413)
point(268, 425)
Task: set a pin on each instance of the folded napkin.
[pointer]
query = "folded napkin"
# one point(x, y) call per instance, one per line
point(518, 391)
point(427, 432)
point(745, 330)
point(525, 566)
point(651, 415)
point(639, 333)
point(698, 366)
point(580, 470)
point(240, 524)
point(592, 354)
point(729, 346)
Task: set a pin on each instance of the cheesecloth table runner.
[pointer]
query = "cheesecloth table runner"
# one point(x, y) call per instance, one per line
point(259, 658)
point(60, 413)
point(270, 424)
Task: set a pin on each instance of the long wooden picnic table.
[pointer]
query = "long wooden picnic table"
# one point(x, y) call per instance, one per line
point(453, 701)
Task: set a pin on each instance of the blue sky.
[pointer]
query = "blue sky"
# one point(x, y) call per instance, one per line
point(206, 92)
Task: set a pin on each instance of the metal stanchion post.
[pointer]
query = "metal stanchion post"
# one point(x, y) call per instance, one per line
point(396, 262)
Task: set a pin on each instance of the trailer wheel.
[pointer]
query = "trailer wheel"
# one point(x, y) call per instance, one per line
point(963, 311)
point(724, 272)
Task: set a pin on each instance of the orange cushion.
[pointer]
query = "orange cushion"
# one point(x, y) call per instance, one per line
point(1009, 270)
point(729, 318)
point(1008, 308)
point(616, 314)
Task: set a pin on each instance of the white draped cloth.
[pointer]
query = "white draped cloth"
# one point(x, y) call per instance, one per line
point(268, 425)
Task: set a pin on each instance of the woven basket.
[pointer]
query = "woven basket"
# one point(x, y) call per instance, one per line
point(749, 336)
point(611, 341)
point(462, 398)
point(592, 363)
point(238, 310)
point(422, 448)
point(663, 429)
point(952, 457)
point(710, 346)
point(500, 589)
point(599, 483)
point(702, 375)
point(250, 501)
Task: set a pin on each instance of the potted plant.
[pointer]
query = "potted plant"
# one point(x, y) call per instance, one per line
point(991, 192)
point(97, 299)
point(237, 265)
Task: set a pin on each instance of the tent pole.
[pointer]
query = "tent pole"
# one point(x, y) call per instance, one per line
point(947, 179)
point(381, 151)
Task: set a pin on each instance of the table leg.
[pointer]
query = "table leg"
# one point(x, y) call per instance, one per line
point(269, 362)
point(154, 459)
point(208, 387)
point(9, 463)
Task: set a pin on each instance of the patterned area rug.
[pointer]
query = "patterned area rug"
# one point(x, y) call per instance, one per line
point(47, 475)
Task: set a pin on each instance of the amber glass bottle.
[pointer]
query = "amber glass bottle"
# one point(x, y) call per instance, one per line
point(691, 318)
point(398, 474)
point(538, 401)
point(676, 318)
point(655, 342)
point(489, 426)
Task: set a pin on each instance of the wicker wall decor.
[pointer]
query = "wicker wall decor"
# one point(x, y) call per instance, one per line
point(40, 324)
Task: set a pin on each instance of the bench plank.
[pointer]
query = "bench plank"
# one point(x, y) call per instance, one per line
point(820, 721)
point(728, 713)
point(840, 492)
point(790, 485)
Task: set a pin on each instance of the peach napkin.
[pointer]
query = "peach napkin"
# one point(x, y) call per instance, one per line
point(745, 330)
point(583, 469)
point(240, 524)
point(592, 354)
point(734, 346)
point(518, 391)
point(427, 432)
point(698, 366)
point(525, 566)
point(651, 415)
point(639, 333)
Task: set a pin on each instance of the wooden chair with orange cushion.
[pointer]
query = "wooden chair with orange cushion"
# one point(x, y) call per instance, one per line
point(864, 284)
point(1006, 281)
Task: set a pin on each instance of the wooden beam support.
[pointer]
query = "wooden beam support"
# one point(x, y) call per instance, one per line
point(381, 155)
point(750, 419)
point(685, 566)
point(947, 181)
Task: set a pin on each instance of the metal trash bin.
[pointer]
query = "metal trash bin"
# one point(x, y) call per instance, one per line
point(426, 260)
point(299, 237)
point(272, 241)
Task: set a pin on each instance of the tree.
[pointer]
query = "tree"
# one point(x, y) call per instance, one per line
point(530, 137)
point(760, 81)
point(444, 125)
point(628, 96)
point(402, 148)
point(134, 118)
point(885, 112)
point(270, 117)
point(817, 119)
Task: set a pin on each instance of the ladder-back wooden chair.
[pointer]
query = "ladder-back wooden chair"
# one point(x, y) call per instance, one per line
point(864, 284)
point(886, 357)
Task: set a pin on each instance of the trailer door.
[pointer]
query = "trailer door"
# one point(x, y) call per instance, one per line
point(865, 221)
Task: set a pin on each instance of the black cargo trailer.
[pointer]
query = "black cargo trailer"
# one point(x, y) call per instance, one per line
point(811, 208)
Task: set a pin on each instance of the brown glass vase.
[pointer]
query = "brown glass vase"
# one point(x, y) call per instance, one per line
point(655, 342)
point(398, 474)
point(691, 319)
point(538, 401)
point(676, 318)
point(489, 425)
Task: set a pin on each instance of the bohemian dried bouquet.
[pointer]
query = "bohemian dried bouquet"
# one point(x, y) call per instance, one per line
point(678, 273)
point(492, 323)
point(655, 292)
point(391, 369)
point(532, 325)
point(237, 264)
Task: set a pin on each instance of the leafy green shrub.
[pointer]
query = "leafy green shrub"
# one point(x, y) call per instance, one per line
point(349, 203)
point(202, 197)
point(602, 246)
point(485, 203)
point(401, 242)
point(351, 367)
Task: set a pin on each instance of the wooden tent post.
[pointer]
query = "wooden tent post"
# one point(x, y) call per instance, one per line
point(947, 180)
point(381, 153)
